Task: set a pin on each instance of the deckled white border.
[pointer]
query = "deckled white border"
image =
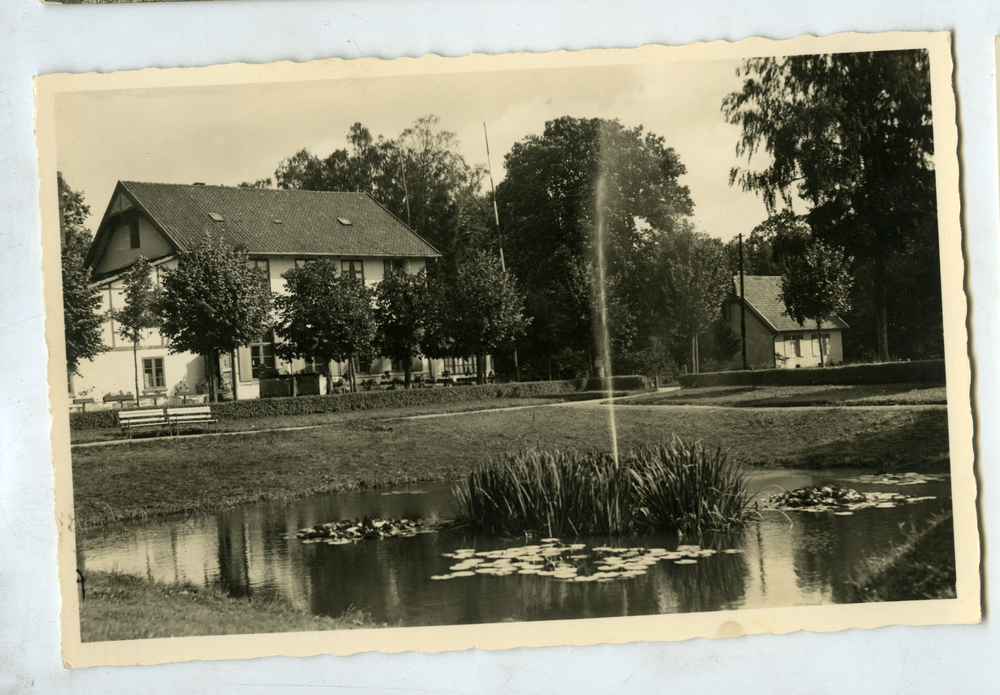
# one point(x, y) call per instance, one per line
point(576, 632)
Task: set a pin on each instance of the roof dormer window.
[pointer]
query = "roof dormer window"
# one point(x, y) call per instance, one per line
point(216, 216)
point(344, 221)
point(133, 234)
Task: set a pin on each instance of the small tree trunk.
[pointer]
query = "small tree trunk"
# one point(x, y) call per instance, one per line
point(819, 337)
point(481, 368)
point(354, 385)
point(406, 374)
point(135, 364)
point(210, 375)
point(329, 375)
point(232, 373)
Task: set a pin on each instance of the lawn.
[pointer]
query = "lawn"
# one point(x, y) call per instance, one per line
point(144, 479)
point(120, 606)
point(797, 396)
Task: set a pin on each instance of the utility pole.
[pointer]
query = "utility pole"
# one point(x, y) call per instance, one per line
point(496, 216)
point(743, 311)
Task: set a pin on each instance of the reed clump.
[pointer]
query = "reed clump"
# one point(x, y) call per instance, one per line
point(677, 486)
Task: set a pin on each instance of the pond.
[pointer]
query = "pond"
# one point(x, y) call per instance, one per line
point(790, 558)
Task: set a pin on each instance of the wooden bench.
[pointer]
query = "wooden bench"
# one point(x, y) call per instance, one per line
point(129, 420)
point(188, 416)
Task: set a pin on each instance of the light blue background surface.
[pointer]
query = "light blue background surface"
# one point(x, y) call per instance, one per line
point(37, 39)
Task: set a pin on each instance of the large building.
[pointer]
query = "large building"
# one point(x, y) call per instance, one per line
point(774, 339)
point(280, 230)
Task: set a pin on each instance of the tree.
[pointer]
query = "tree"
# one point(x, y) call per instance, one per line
point(689, 284)
point(553, 221)
point(816, 286)
point(419, 177)
point(400, 317)
point(213, 303)
point(82, 318)
point(851, 134)
point(140, 312)
point(473, 313)
point(325, 314)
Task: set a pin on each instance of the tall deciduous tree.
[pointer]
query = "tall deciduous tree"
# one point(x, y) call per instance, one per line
point(552, 216)
point(81, 303)
point(325, 314)
point(401, 317)
point(816, 286)
point(851, 135)
point(141, 310)
point(474, 312)
point(213, 302)
point(419, 177)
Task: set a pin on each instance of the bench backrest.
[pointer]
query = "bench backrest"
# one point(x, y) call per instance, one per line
point(199, 412)
point(140, 416)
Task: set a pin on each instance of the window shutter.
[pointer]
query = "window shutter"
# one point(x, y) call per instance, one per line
point(246, 370)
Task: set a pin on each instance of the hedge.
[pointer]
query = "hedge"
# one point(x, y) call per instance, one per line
point(922, 372)
point(632, 382)
point(350, 402)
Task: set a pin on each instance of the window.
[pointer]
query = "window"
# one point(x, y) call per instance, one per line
point(303, 262)
point(152, 373)
point(133, 234)
point(398, 365)
point(353, 267)
point(314, 365)
point(459, 366)
point(262, 354)
point(793, 346)
point(826, 344)
point(395, 264)
point(261, 266)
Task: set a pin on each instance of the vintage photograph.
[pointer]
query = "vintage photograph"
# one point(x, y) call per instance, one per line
point(532, 344)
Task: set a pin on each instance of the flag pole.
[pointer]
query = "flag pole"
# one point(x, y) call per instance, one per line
point(496, 217)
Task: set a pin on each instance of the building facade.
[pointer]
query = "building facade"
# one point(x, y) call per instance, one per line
point(279, 230)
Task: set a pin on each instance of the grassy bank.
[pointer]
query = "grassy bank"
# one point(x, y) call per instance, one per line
point(120, 607)
point(921, 568)
point(141, 479)
point(797, 396)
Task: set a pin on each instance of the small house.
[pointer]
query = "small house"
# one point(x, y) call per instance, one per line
point(773, 338)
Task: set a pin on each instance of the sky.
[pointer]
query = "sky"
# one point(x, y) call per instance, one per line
point(228, 133)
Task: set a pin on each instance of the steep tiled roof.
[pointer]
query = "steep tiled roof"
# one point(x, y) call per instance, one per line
point(762, 294)
point(278, 222)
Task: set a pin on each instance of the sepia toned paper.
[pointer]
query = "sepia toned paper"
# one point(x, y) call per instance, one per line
point(448, 81)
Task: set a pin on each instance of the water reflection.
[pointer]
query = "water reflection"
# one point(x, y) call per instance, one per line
point(785, 560)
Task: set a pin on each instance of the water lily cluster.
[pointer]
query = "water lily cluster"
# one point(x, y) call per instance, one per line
point(896, 479)
point(841, 501)
point(571, 562)
point(344, 532)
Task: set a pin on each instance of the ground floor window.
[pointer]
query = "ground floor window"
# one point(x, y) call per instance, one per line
point(394, 264)
point(315, 365)
point(826, 343)
point(458, 366)
point(152, 373)
point(793, 346)
point(262, 354)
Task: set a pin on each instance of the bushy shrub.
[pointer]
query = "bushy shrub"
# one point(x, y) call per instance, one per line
point(92, 420)
point(678, 486)
point(922, 372)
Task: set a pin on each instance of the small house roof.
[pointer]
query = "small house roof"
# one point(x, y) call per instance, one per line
point(763, 295)
point(272, 222)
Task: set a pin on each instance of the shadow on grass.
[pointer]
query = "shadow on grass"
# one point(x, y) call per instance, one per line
point(918, 444)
